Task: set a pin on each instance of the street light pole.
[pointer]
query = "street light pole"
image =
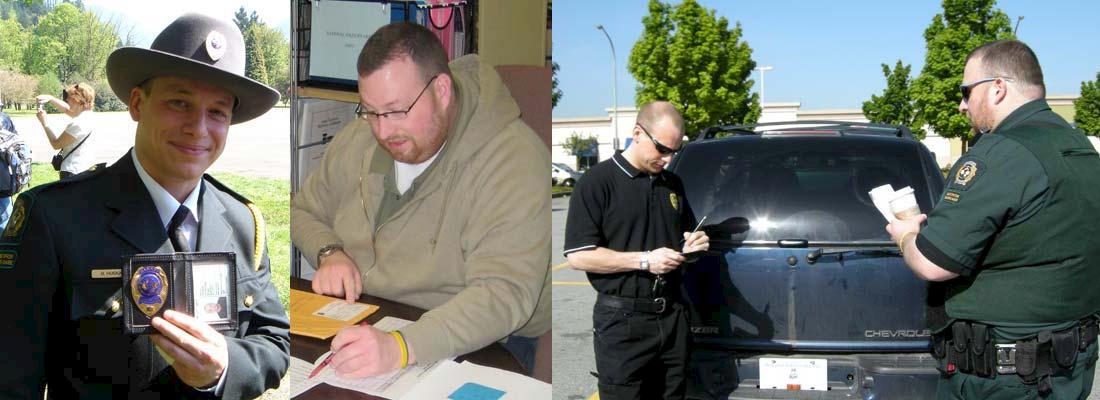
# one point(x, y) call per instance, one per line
point(614, 98)
point(1018, 19)
point(762, 70)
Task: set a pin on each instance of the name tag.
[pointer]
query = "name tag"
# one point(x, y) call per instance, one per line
point(106, 273)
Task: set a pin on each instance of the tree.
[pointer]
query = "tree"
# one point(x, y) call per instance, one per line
point(1087, 116)
point(555, 93)
point(963, 26)
point(688, 56)
point(70, 43)
point(244, 20)
point(575, 145)
point(255, 66)
point(13, 40)
point(16, 88)
point(894, 106)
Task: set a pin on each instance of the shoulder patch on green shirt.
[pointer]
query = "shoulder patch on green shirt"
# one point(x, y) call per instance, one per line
point(970, 169)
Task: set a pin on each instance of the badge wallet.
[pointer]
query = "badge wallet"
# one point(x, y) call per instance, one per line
point(202, 285)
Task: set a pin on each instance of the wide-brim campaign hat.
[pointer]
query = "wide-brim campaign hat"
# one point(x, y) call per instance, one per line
point(199, 47)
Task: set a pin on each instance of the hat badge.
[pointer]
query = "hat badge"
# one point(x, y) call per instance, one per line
point(215, 45)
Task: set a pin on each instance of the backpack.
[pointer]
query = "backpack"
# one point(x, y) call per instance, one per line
point(15, 163)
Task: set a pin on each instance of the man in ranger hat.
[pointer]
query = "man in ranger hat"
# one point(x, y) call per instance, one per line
point(60, 254)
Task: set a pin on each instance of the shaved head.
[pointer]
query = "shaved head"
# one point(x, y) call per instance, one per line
point(658, 111)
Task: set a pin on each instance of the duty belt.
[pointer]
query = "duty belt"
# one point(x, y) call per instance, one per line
point(969, 347)
point(655, 305)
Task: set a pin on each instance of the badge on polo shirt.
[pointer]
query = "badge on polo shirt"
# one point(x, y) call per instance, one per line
point(672, 198)
point(968, 172)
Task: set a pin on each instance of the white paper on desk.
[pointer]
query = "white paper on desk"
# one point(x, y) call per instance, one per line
point(299, 376)
point(391, 386)
point(881, 196)
point(450, 376)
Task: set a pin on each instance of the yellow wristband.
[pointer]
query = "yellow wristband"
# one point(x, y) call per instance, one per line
point(901, 242)
point(404, 348)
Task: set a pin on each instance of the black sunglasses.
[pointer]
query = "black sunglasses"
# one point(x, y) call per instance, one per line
point(660, 147)
point(967, 87)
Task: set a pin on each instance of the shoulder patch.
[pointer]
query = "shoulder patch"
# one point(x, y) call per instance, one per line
point(967, 172)
point(17, 223)
point(257, 220)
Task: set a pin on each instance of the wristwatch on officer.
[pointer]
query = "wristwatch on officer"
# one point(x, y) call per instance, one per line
point(643, 264)
point(328, 250)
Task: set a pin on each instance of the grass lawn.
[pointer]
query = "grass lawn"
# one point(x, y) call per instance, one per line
point(271, 195)
point(560, 189)
point(20, 113)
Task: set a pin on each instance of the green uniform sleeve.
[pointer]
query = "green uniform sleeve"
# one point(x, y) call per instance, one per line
point(997, 184)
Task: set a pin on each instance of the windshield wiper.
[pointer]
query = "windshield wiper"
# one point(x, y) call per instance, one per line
point(813, 256)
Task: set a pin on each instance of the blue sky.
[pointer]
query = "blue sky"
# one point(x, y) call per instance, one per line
point(825, 54)
point(149, 17)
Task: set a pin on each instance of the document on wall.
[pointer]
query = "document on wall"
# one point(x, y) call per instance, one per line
point(338, 31)
point(469, 381)
point(393, 385)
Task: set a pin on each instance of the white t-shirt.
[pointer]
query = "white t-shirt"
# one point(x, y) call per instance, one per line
point(84, 156)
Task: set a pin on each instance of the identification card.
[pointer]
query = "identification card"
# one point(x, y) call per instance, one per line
point(203, 285)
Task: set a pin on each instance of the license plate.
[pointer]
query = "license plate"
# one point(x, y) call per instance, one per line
point(794, 373)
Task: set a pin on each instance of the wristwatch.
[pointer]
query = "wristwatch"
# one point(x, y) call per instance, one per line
point(643, 264)
point(328, 250)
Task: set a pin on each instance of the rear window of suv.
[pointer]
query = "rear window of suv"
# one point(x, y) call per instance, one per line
point(798, 188)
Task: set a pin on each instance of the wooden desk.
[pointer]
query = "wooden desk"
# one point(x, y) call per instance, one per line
point(310, 349)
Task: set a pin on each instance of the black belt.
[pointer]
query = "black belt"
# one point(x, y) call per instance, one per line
point(649, 305)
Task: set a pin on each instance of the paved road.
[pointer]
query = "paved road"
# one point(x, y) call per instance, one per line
point(260, 147)
point(573, 299)
point(573, 358)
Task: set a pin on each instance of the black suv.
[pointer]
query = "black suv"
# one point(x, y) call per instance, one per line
point(803, 285)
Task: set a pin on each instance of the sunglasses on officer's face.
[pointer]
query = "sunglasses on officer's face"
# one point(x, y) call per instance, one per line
point(966, 88)
point(664, 150)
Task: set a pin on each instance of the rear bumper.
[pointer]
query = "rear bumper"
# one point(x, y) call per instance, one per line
point(722, 374)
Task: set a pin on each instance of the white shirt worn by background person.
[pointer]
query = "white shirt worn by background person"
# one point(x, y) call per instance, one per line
point(84, 156)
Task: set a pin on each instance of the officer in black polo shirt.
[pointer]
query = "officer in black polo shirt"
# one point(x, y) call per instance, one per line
point(627, 229)
point(1012, 246)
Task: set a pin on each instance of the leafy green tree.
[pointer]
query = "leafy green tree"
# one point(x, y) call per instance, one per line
point(70, 43)
point(13, 41)
point(894, 106)
point(275, 49)
point(555, 93)
point(244, 20)
point(255, 66)
point(963, 26)
point(1087, 116)
point(690, 57)
point(574, 145)
point(48, 84)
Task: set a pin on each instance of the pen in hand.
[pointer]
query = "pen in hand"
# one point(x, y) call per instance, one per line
point(697, 226)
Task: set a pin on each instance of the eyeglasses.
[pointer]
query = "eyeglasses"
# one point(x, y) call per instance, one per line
point(664, 150)
point(967, 87)
point(392, 115)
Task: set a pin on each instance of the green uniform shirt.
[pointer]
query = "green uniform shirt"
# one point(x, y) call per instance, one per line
point(1009, 223)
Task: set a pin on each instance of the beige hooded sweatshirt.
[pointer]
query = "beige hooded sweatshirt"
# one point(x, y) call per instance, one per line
point(473, 244)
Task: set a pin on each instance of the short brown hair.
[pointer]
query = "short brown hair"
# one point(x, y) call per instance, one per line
point(1011, 59)
point(82, 92)
point(403, 39)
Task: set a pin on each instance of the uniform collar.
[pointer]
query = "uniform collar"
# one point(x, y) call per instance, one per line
point(1023, 113)
point(165, 203)
point(625, 166)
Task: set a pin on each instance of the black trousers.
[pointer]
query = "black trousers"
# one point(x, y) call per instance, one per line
point(640, 355)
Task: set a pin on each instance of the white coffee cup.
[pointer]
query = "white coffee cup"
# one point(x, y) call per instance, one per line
point(904, 203)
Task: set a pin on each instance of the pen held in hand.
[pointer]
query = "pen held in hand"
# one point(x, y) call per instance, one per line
point(325, 363)
point(699, 225)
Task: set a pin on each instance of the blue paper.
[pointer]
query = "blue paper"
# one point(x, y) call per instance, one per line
point(473, 391)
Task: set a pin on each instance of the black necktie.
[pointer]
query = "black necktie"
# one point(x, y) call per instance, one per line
point(175, 230)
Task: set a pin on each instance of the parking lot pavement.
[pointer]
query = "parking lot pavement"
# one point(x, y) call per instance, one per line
point(573, 299)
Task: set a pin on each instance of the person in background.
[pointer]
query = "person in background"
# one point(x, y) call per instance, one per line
point(77, 102)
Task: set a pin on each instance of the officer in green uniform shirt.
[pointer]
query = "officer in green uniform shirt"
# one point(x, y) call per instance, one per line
point(1011, 248)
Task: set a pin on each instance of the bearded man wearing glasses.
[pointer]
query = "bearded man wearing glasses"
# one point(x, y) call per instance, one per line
point(628, 230)
point(1011, 248)
point(434, 197)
